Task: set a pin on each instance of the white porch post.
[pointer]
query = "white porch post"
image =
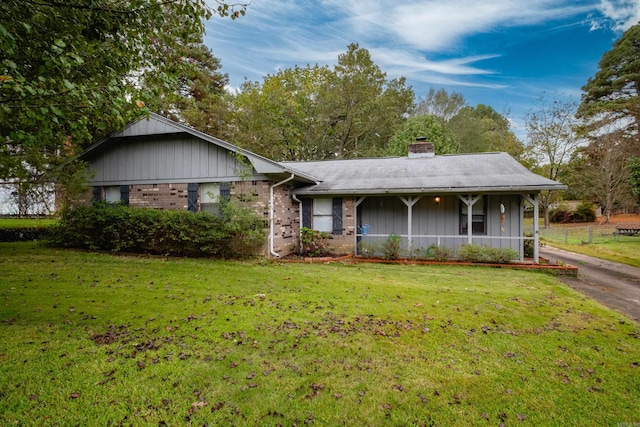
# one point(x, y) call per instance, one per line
point(533, 199)
point(470, 201)
point(410, 201)
point(356, 203)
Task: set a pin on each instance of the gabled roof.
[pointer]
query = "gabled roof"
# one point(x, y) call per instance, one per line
point(155, 124)
point(461, 173)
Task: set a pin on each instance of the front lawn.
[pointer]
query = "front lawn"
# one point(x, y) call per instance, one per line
point(27, 222)
point(97, 339)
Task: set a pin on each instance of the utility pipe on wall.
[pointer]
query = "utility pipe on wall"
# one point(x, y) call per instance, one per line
point(271, 214)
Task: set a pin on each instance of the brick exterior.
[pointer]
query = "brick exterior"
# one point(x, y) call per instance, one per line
point(286, 221)
point(158, 196)
point(343, 244)
point(254, 195)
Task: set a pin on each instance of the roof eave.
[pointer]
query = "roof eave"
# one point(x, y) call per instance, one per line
point(307, 191)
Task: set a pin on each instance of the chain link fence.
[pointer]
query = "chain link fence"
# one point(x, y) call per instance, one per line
point(592, 234)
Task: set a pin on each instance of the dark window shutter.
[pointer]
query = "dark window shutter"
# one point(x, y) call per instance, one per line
point(225, 191)
point(124, 194)
point(192, 197)
point(306, 212)
point(337, 215)
point(97, 193)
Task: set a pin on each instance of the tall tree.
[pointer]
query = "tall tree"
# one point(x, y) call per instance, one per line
point(551, 140)
point(612, 95)
point(481, 129)
point(365, 109)
point(285, 117)
point(633, 166)
point(322, 113)
point(439, 103)
point(604, 177)
point(426, 126)
point(68, 71)
point(197, 95)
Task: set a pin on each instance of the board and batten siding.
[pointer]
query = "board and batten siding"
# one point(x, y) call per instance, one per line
point(165, 159)
point(389, 214)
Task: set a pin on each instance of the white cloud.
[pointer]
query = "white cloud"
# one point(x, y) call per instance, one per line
point(436, 25)
point(623, 13)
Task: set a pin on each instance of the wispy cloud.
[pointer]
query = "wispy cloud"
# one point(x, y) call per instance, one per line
point(402, 36)
point(455, 44)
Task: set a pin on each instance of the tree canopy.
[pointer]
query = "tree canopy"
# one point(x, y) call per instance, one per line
point(612, 95)
point(427, 126)
point(305, 113)
point(481, 129)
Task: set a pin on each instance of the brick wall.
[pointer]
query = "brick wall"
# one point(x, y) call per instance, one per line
point(158, 196)
point(286, 221)
point(254, 195)
point(344, 244)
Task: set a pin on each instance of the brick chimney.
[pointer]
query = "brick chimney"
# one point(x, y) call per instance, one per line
point(421, 148)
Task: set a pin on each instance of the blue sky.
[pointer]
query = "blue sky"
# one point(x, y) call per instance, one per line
point(502, 53)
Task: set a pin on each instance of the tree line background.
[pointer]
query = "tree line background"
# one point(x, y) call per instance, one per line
point(74, 71)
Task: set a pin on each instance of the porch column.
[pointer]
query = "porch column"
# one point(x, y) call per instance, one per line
point(533, 199)
point(470, 201)
point(410, 201)
point(356, 203)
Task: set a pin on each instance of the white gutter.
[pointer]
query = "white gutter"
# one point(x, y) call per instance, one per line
point(271, 211)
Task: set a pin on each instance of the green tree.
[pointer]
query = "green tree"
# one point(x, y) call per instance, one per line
point(603, 175)
point(633, 165)
point(364, 108)
point(285, 118)
point(322, 113)
point(611, 96)
point(481, 129)
point(427, 126)
point(198, 96)
point(68, 71)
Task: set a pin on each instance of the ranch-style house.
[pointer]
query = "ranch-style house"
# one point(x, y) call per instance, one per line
point(424, 198)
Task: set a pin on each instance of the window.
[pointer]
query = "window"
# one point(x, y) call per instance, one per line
point(210, 197)
point(211, 194)
point(323, 214)
point(478, 217)
point(112, 194)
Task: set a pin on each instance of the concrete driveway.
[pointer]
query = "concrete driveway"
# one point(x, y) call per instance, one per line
point(612, 284)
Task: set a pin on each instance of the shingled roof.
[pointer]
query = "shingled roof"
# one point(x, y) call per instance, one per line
point(461, 173)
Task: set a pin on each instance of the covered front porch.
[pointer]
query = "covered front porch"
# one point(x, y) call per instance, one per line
point(452, 220)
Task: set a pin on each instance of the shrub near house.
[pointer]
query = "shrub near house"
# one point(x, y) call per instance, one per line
point(118, 228)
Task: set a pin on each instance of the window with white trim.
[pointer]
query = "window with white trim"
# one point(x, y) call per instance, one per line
point(323, 215)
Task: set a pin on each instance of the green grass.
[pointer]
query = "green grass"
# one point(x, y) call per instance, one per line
point(96, 339)
point(626, 252)
point(26, 222)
